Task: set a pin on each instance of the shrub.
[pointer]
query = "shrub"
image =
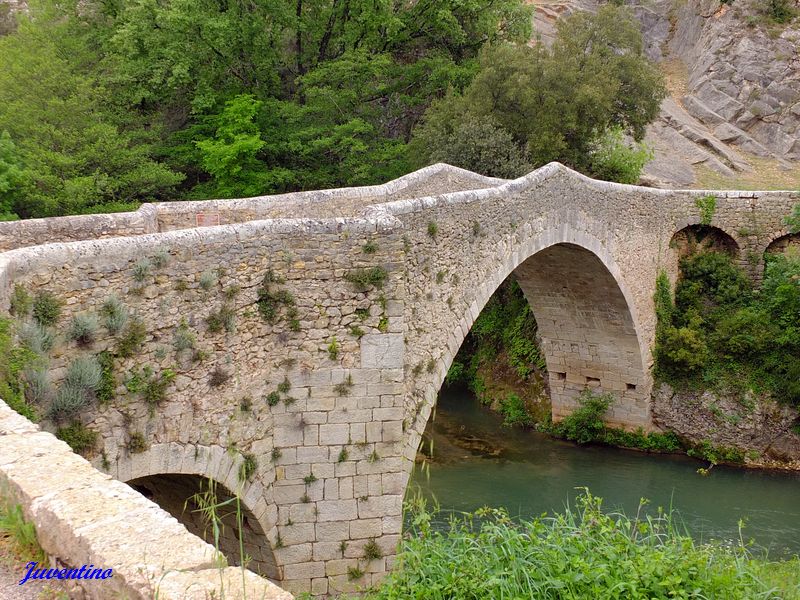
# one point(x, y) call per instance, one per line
point(84, 373)
point(515, 412)
point(114, 315)
point(21, 301)
point(141, 270)
point(271, 301)
point(333, 349)
point(37, 338)
point(272, 398)
point(79, 437)
point(433, 229)
point(83, 329)
point(155, 388)
point(132, 339)
point(108, 385)
point(248, 467)
point(208, 280)
point(37, 385)
point(781, 11)
point(612, 159)
point(586, 424)
point(137, 443)
point(183, 338)
point(372, 551)
point(218, 377)
point(371, 247)
point(46, 308)
point(364, 279)
point(69, 401)
point(224, 318)
point(160, 259)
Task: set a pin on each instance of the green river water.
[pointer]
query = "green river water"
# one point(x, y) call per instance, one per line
point(479, 462)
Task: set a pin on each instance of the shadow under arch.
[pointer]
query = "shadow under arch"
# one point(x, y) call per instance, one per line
point(176, 493)
point(702, 238)
point(789, 242)
point(170, 474)
point(589, 325)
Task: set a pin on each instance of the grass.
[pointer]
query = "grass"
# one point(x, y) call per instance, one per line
point(766, 175)
point(581, 553)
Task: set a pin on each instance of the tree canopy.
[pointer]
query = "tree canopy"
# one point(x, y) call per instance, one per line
point(108, 103)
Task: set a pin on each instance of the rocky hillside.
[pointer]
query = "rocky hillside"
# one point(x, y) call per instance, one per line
point(734, 81)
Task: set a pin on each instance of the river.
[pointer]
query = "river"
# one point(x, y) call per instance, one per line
point(479, 462)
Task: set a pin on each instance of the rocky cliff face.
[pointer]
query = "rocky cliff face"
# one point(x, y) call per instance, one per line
point(734, 81)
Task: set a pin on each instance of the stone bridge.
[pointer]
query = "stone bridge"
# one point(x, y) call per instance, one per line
point(309, 334)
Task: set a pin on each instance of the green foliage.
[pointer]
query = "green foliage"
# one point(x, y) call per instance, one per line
point(72, 148)
point(183, 339)
point(132, 338)
point(37, 338)
point(364, 279)
point(79, 437)
point(13, 363)
point(21, 533)
point(477, 143)
point(613, 159)
point(370, 247)
point(108, 384)
point(333, 349)
point(84, 373)
point(208, 279)
point(583, 552)
point(46, 308)
point(248, 467)
point(270, 301)
point(223, 318)
point(272, 398)
point(137, 443)
point(780, 11)
point(561, 103)
point(37, 385)
point(372, 551)
point(21, 301)
point(707, 205)
point(141, 270)
point(115, 315)
point(83, 329)
point(793, 220)
point(721, 335)
point(455, 373)
point(714, 454)
point(514, 412)
point(585, 424)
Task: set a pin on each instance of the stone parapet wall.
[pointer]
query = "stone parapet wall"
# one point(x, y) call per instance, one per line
point(83, 517)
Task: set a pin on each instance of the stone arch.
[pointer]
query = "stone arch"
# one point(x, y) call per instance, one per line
point(694, 237)
point(789, 242)
point(631, 384)
point(170, 474)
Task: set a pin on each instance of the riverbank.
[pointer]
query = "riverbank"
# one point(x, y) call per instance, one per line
point(583, 552)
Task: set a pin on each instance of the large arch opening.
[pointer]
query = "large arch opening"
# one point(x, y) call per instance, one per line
point(177, 494)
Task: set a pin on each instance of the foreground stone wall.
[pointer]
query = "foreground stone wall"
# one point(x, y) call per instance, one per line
point(83, 517)
point(324, 401)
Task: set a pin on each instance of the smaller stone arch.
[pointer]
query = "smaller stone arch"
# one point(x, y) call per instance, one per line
point(171, 474)
point(788, 243)
point(703, 238)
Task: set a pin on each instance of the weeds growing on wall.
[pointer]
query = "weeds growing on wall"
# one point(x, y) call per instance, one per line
point(581, 553)
point(79, 437)
point(21, 533)
point(722, 334)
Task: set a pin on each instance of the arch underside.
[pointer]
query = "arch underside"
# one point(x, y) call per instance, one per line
point(175, 492)
point(587, 333)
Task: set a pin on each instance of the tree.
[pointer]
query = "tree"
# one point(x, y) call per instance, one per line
point(560, 103)
point(13, 179)
point(76, 151)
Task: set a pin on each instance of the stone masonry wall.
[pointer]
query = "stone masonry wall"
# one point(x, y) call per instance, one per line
point(332, 396)
point(89, 518)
